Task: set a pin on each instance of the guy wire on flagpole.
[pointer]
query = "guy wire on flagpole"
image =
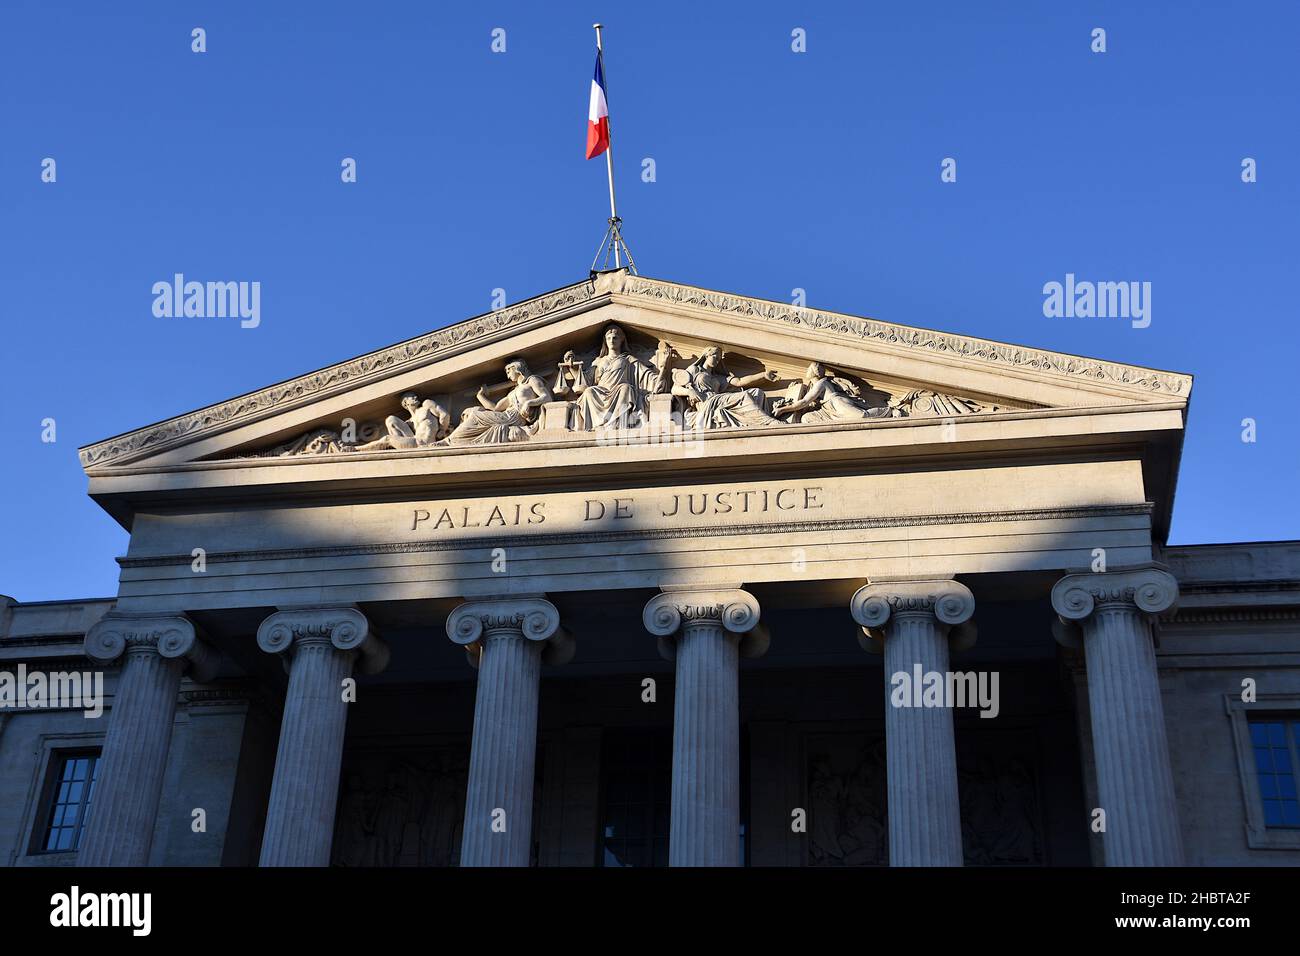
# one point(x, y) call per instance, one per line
point(613, 239)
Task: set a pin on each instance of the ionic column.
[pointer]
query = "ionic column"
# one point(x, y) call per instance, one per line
point(1113, 611)
point(320, 648)
point(915, 620)
point(706, 632)
point(507, 638)
point(156, 651)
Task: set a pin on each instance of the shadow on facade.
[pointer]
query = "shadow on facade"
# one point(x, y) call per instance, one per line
point(812, 718)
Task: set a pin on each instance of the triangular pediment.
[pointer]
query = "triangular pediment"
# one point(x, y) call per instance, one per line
point(802, 369)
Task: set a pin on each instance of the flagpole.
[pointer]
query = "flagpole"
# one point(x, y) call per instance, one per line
point(609, 153)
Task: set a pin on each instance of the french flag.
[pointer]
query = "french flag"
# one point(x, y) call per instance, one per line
point(598, 114)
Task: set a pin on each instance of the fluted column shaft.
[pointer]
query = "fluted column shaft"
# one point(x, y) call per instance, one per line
point(321, 646)
point(924, 812)
point(1130, 747)
point(503, 759)
point(705, 825)
point(913, 620)
point(704, 632)
point(509, 637)
point(124, 806)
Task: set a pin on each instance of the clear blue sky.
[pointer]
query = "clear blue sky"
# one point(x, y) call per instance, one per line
point(775, 170)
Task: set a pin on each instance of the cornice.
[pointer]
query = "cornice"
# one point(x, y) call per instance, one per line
point(632, 440)
point(195, 697)
point(345, 375)
point(944, 343)
point(1234, 615)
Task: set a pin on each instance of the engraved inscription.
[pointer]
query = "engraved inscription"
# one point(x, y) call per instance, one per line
point(734, 503)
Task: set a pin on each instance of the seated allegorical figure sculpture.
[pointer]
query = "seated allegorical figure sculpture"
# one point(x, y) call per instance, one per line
point(705, 384)
point(512, 418)
point(428, 424)
point(825, 398)
point(623, 383)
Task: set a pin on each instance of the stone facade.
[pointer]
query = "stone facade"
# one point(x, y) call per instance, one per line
point(660, 525)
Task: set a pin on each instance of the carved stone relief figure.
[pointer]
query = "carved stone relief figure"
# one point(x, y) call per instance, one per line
point(924, 403)
point(513, 418)
point(354, 844)
point(847, 812)
point(402, 810)
point(823, 397)
point(614, 391)
point(705, 385)
point(321, 441)
point(441, 816)
point(428, 424)
point(623, 382)
point(396, 808)
point(846, 796)
point(999, 810)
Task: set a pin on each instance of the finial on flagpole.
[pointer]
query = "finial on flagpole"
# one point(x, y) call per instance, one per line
point(613, 239)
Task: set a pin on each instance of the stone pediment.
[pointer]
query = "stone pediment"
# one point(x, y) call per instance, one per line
point(627, 357)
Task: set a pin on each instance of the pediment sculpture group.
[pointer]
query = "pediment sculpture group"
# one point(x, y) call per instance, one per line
point(615, 392)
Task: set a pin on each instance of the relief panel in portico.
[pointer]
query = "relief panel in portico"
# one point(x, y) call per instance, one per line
point(1001, 816)
point(621, 386)
point(402, 808)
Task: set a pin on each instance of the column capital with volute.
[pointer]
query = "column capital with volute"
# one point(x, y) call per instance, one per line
point(731, 608)
point(172, 636)
point(532, 616)
point(341, 626)
point(948, 603)
point(1149, 589)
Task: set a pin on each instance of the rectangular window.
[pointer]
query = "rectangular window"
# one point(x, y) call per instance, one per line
point(1275, 745)
point(636, 767)
point(71, 787)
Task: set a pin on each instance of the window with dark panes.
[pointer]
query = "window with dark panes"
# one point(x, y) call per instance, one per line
point(72, 786)
point(1275, 745)
point(636, 768)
